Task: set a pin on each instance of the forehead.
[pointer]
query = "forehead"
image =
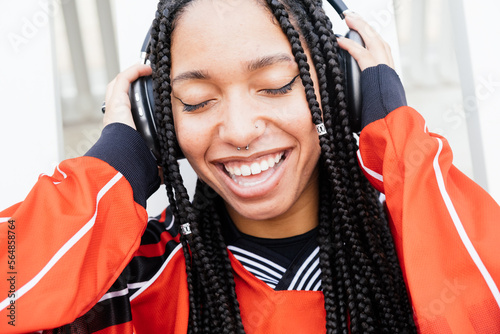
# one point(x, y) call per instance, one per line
point(215, 32)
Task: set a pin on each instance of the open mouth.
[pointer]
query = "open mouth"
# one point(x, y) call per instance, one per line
point(248, 174)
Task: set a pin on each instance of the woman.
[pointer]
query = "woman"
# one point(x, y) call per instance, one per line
point(284, 233)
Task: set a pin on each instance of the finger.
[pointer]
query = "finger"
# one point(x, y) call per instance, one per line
point(370, 36)
point(117, 97)
point(374, 43)
point(372, 39)
point(362, 56)
point(125, 78)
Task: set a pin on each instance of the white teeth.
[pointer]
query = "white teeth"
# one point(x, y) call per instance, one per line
point(245, 170)
point(255, 168)
point(264, 165)
point(270, 162)
point(277, 158)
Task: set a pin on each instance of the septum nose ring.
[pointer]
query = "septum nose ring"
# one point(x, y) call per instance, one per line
point(246, 148)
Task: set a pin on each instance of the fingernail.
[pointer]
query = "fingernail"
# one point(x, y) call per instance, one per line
point(350, 13)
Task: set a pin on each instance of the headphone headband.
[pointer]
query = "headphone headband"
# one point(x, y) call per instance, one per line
point(339, 6)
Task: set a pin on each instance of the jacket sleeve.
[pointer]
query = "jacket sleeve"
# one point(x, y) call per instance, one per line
point(446, 228)
point(65, 245)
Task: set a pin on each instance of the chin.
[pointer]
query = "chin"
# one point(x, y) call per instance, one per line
point(261, 211)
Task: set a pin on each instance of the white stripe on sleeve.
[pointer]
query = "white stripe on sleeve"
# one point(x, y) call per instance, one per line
point(460, 228)
point(66, 247)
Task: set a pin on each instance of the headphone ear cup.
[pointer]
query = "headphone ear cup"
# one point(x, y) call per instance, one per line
point(143, 112)
point(352, 83)
point(142, 107)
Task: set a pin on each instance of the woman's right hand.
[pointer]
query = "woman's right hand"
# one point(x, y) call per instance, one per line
point(376, 50)
point(117, 98)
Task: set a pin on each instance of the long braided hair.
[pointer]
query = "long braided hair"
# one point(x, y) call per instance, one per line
point(363, 288)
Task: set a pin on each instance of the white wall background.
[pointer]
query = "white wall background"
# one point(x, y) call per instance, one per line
point(30, 122)
point(482, 25)
point(31, 141)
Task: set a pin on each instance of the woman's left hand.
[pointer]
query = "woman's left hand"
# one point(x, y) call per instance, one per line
point(376, 51)
point(117, 98)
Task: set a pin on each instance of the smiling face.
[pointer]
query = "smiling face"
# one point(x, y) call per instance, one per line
point(235, 83)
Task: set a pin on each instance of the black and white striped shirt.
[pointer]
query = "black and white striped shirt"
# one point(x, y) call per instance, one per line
point(283, 264)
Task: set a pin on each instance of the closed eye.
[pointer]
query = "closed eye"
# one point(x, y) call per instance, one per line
point(192, 107)
point(281, 91)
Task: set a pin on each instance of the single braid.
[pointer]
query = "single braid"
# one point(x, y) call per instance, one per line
point(161, 62)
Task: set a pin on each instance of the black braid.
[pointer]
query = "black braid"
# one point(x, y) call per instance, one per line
point(161, 61)
point(361, 278)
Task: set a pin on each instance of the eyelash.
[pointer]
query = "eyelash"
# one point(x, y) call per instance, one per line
point(280, 91)
point(189, 107)
point(283, 90)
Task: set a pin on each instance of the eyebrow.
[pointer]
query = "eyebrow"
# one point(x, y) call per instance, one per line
point(251, 65)
point(265, 61)
point(196, 74)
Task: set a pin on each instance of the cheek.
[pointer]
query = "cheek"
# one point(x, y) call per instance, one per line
point(293, 112)
point(192, 147)
point(297, 117)
point(297, 122)
point(191, 138)
point(310, 145)
point(306, 132)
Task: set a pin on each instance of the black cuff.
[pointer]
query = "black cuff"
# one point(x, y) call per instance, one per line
point(382, 92)
point(124, 149)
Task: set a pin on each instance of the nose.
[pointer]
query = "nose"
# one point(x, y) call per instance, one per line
point(241, 123)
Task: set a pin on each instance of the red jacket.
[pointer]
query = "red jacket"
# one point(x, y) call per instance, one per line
point(446, 228)
point(70, 241)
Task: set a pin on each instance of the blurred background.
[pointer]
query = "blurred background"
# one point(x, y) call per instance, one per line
point(57, 57)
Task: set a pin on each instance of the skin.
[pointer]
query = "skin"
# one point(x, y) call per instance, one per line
point(224, 96)
point(239, 90)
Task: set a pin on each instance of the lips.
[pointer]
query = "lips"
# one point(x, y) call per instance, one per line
point(255, 172)
point(255, 167)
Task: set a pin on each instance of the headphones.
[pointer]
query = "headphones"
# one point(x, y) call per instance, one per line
point(142, 101)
